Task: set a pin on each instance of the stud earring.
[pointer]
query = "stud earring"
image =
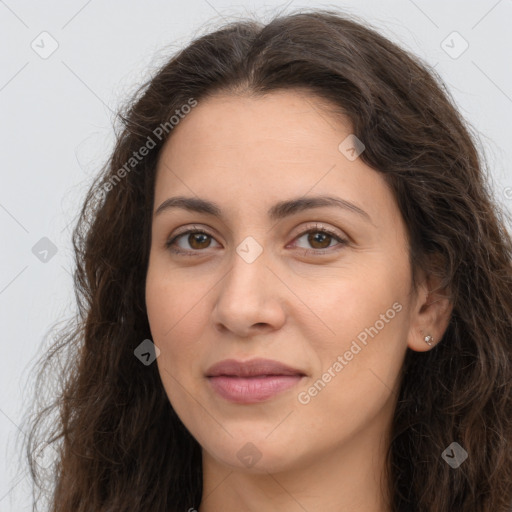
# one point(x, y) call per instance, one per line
point(429, 340)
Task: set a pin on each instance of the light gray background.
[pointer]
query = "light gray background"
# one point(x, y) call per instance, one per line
point(56, 133)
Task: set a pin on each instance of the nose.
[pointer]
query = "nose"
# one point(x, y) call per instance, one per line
point(249, 299)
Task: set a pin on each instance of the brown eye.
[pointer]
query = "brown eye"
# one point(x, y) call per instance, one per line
point(189, 242)
point(320, 240)
point(317, 239)
point(199, 240)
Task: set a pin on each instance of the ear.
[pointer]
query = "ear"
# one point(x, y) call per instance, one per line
point(431, 315)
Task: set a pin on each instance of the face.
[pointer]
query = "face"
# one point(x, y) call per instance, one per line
point(323, 288)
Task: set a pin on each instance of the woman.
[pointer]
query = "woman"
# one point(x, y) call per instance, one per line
point(294, 290)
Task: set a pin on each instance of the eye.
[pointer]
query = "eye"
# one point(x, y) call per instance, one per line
point(320, 239)
point(196, 239)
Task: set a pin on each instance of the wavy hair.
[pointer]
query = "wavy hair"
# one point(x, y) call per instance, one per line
point(120, 446)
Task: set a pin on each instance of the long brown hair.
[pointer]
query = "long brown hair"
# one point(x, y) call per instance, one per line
point(121, 447)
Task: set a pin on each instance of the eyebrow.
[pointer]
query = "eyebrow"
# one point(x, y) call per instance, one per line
point(276, 212)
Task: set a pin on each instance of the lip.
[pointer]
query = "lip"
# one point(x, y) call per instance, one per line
point(251, 368)
point(257, 380)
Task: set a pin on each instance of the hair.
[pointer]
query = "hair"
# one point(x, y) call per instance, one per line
point(120, 445)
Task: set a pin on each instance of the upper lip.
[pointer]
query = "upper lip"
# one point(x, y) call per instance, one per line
point(254, 367)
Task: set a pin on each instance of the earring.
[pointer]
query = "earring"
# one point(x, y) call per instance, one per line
point(429, 340)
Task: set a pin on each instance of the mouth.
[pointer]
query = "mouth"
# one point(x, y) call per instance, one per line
point(252, 381)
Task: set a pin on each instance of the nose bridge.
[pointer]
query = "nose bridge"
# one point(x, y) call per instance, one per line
point(247, 281)
point(249, 293)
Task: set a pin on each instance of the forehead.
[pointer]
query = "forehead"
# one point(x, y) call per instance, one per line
point(255, 150)
point(281, 120)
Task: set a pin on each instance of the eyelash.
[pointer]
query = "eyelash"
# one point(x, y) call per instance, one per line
point(170, 244)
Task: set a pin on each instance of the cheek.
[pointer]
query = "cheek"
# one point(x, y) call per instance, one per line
point(357, 368)
point(171, 300)
point(176, 313)
point(354, 299)
point(365, 312)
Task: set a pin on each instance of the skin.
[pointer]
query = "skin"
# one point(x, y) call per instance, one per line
point(246, 154)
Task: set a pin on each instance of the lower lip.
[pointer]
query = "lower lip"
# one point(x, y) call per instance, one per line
point(250, 390)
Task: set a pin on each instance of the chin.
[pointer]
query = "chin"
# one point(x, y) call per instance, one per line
point(259, 456)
